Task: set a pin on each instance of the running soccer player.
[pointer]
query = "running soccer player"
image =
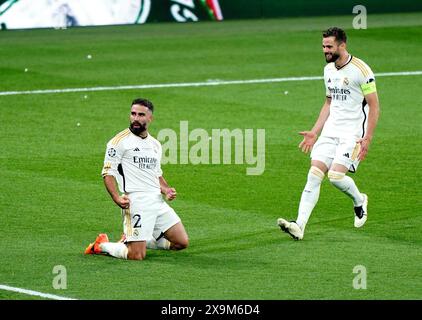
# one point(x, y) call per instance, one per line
point(133, 160)
point(347, 119)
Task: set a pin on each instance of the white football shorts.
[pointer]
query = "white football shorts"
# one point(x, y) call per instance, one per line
point(336, 150)
point(148, 216)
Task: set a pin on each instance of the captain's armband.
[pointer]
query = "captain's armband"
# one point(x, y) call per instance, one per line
point(368, 88)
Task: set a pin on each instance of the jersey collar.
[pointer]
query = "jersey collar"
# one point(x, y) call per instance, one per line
point(347, 62)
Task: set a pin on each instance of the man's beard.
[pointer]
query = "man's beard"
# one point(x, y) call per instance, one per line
point(334, 57)
point(137, 130)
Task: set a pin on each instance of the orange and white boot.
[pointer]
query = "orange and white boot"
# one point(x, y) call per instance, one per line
point(94, 248)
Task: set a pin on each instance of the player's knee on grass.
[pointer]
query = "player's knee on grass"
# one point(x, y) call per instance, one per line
point(136, 256)
point(182, 242)
point(136, 251)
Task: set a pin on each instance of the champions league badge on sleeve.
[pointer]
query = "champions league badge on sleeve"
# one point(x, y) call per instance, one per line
point(111, 152)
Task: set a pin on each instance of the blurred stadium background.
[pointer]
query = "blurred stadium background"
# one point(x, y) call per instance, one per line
point(52, 200)
point(17, 14)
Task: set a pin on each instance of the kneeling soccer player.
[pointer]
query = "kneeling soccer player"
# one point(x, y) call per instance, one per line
point(133, 160)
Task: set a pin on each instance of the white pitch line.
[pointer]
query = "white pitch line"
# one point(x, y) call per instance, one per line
point(194, 84)
point(34, 293)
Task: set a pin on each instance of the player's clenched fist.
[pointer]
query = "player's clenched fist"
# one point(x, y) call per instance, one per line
point(171, 194)
point(122, 201)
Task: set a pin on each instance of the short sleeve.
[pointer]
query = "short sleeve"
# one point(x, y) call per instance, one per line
point(366, 78)
point(112, 159)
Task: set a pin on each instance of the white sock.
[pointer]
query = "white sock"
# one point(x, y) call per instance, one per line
point(310, 196)
point(115, 249)
point(162, 243)
point(346, 185)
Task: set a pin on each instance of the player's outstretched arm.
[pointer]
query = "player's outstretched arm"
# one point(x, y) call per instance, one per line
point(373, 103)
point(110, 184)
point(170, 193)
point(310, 137)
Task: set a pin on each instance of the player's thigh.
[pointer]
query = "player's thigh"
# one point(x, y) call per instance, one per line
point(177, 235)
point(320, 165)
point(323, 153)
point(346, 156)
point(339, 168)
point(139, 221)
point(166, 219)
point(169, 223)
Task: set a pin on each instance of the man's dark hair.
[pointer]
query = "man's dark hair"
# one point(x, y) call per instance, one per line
point(337, 33)
point(144, 102)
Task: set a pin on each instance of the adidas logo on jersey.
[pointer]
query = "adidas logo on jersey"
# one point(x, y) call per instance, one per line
point(346, 155)
point(136, 149)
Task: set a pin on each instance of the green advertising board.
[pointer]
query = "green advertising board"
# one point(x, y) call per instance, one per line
point(250, 9)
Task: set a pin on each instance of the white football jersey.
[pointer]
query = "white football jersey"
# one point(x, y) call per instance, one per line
point(348, 109)
point(134, 162)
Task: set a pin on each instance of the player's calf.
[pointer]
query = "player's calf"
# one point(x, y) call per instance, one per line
point(346, 185)
point(310, 195)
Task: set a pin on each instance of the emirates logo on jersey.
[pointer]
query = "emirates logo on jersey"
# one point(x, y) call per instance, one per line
point(337, 90)
point(145, 162)
point(339, 94)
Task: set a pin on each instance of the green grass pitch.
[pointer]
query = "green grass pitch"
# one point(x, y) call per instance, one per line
point(53, 202)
